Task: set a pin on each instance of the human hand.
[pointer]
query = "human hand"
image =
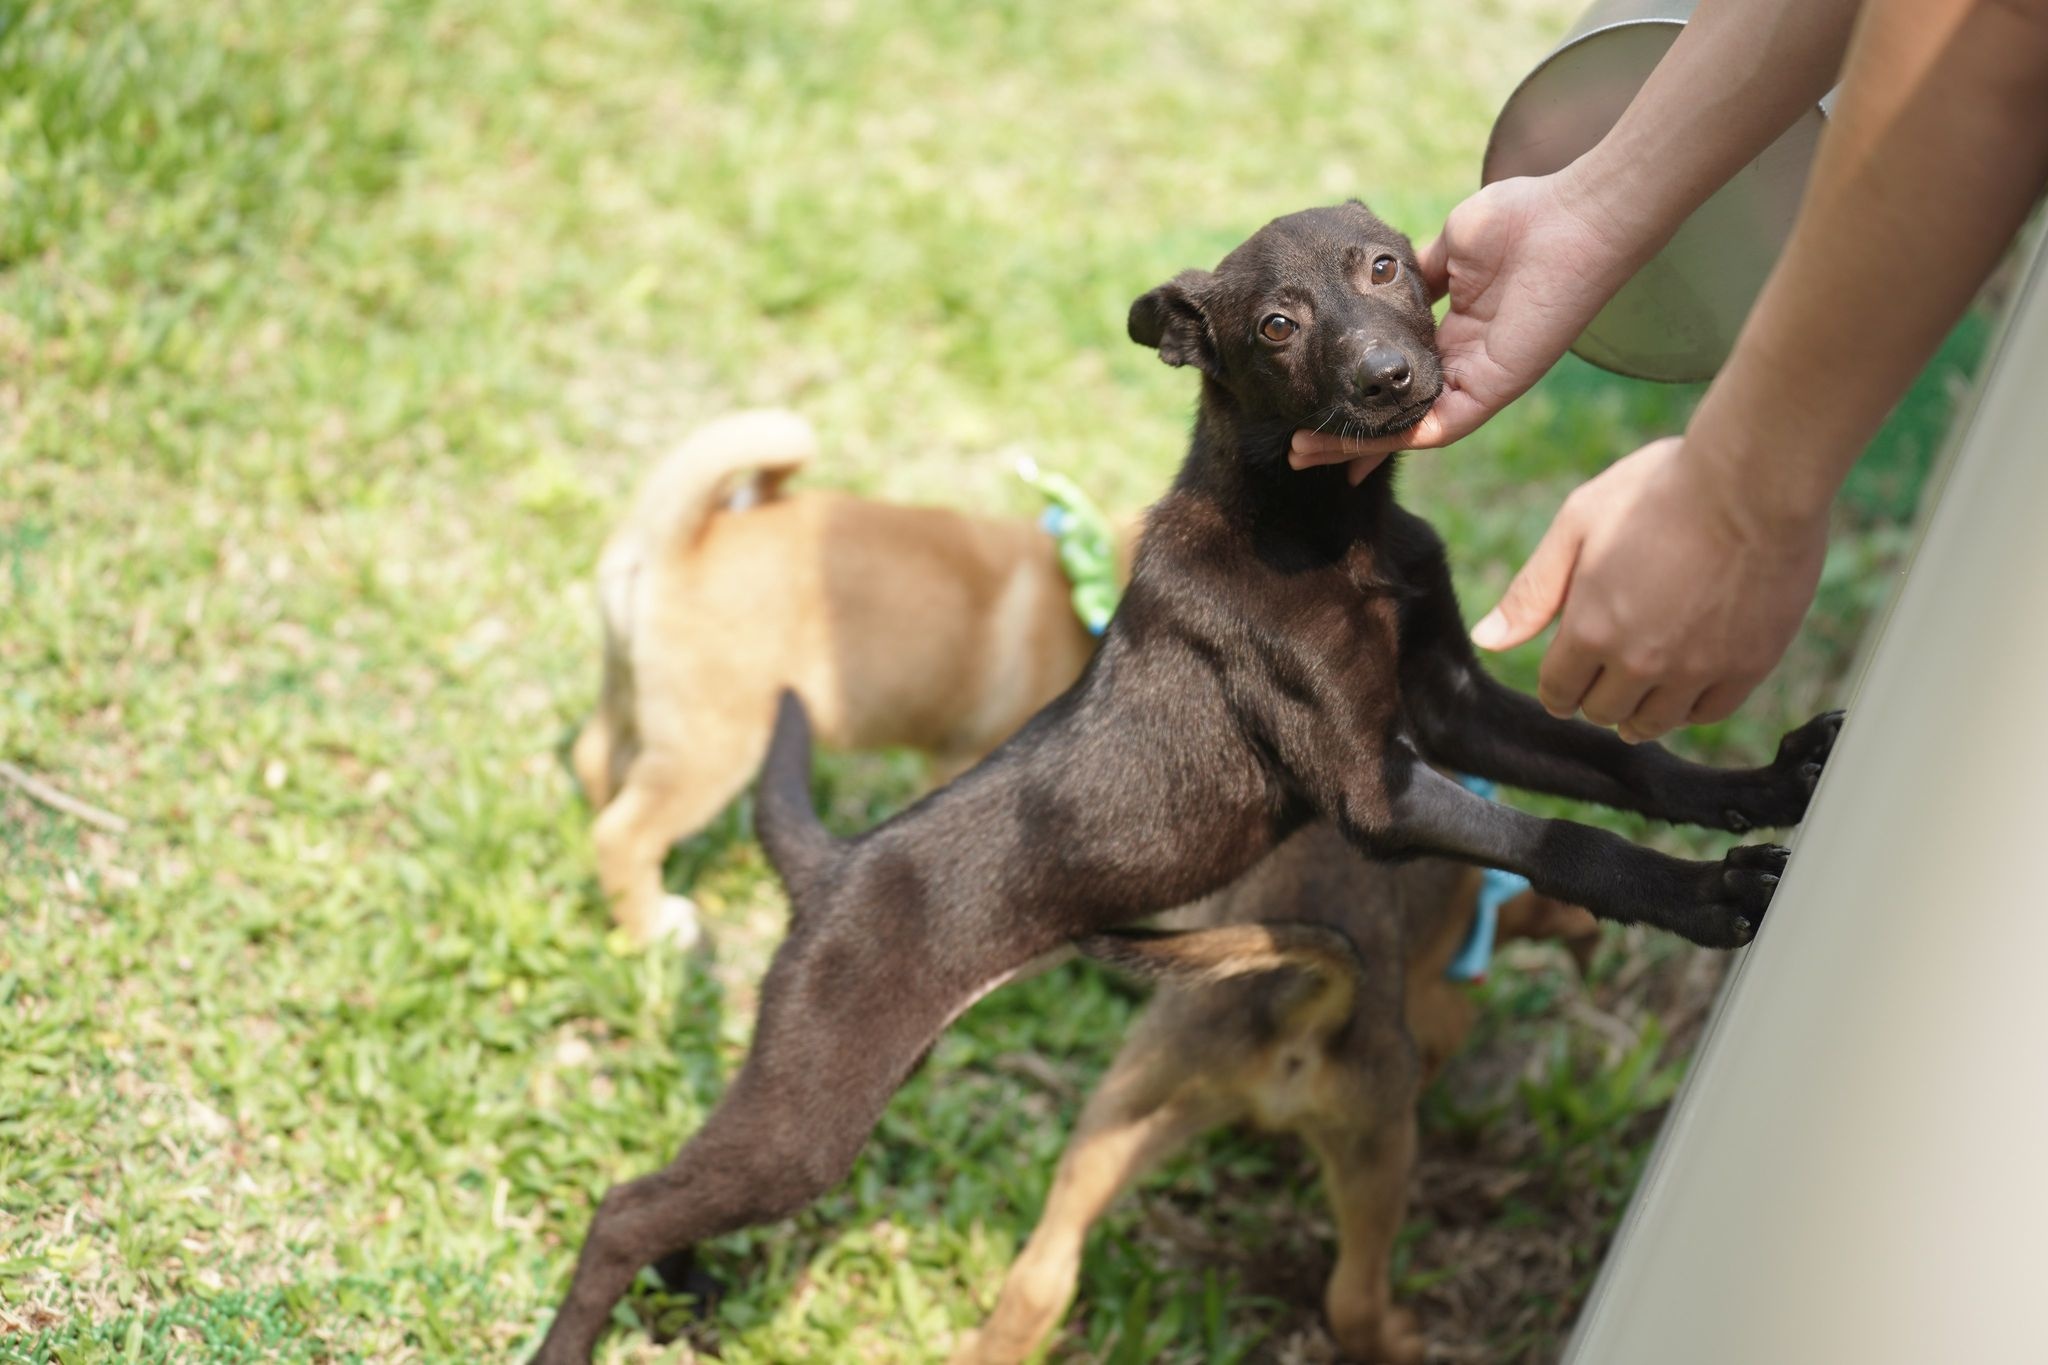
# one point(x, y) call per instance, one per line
point(1527, 263)
point(1679, 591)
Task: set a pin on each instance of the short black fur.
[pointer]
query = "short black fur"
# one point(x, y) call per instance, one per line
point(1289, 648)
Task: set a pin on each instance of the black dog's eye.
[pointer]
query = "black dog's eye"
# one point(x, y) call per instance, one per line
point(1277, 327)
point(1385, 269)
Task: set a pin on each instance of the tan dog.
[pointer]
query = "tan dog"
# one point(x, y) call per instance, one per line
point(911, 626)
point(1325, 1023)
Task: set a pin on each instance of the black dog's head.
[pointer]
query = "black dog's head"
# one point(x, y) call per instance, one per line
point(1320, 320)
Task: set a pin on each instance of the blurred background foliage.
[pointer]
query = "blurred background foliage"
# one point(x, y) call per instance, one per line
point(332, 337)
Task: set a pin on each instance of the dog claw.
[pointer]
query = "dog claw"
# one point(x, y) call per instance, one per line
point(1747, 879)
point(1788, 783)
point(1809, 746)
point(1767, 858)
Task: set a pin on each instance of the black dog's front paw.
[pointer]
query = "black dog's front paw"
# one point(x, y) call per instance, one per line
point(1739, 890)
point(1788, 782)
point(1804, 752)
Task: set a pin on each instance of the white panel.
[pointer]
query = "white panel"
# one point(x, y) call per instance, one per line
point(1857, 1170)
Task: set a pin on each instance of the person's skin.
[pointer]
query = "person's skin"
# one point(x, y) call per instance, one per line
point(1528, 262)
point(1683, 570)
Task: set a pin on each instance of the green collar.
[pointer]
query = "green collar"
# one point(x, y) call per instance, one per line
point(1086, 547)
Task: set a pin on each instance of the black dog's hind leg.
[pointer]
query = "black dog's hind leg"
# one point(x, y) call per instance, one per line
point(1714, 904)
point(826, 1057)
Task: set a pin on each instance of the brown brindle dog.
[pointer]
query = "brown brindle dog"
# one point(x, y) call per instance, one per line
point(1326, 1026)
point(1290, 649)
point(899, 626)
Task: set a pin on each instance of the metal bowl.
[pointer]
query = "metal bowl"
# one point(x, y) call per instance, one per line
point(1676, 319)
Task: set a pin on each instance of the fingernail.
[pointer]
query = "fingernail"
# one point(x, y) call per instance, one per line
point(1491, 631)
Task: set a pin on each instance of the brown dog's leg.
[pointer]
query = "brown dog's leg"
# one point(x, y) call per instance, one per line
point(1145, 1107)
point(608, 742)
point(1440, 1016)
point(664, 800)
point(595, 761)
point(1365, 1172)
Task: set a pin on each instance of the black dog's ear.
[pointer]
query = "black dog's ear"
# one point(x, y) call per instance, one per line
point(1170, 320)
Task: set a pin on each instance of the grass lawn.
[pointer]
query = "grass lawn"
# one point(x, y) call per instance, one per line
point(332, 336)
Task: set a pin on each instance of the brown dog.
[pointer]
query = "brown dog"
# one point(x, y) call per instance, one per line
point(911, 626)
point(1326, 1025)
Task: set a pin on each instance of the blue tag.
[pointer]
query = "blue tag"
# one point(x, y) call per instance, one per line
point(1496, 889)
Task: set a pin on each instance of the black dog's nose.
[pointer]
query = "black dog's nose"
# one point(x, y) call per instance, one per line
point(1384, 372)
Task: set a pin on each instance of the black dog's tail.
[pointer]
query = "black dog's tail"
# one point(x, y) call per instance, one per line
point(800, 849)
point(1322, 958)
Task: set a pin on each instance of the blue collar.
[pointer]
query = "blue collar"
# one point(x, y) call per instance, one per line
point(1496, 889)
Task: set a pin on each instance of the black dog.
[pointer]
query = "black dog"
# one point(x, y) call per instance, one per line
point(1289, 648)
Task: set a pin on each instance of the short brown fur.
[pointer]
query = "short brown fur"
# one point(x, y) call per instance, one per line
point(899, 626)
point(1330, 1042)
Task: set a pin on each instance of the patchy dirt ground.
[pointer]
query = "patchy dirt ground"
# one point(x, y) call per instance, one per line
point(1511, 1210)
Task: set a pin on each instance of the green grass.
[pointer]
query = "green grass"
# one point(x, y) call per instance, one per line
point(332, 337)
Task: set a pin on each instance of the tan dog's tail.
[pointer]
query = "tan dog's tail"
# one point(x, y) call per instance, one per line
point(689, 483)
point(672, 509)
point(1325, 959)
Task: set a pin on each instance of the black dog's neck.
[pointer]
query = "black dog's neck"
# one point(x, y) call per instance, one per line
point(1238, 463)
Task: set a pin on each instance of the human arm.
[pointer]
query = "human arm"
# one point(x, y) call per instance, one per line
point(1684, 570)
point(1529, 261)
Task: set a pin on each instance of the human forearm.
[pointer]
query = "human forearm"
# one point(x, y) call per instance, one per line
point(1934, 155)
point(1738, 74)
point(1682, 572)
